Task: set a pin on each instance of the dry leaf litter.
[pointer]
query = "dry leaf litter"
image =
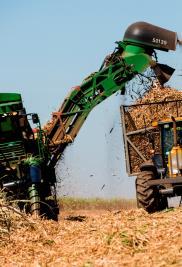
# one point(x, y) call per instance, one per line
point(130, 238)
point(108, 238)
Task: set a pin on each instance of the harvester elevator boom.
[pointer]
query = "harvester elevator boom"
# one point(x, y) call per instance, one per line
point(132, 56)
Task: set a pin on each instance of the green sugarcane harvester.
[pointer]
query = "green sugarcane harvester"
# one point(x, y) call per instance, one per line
point(28, 159)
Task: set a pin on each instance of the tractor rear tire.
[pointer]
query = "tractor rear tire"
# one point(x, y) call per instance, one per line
point(147, 196)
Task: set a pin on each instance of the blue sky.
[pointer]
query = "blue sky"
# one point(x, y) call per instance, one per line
point(47, 47)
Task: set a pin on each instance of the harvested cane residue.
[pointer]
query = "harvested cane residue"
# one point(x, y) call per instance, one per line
point(144, 115)
point(116, 238)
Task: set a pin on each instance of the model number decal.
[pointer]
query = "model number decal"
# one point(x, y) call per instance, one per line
point(159, 41)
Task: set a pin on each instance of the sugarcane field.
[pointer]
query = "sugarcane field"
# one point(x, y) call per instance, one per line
point(94, 237)
point(95, 232)
point(90, 134)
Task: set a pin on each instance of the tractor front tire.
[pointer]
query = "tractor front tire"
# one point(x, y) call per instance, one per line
point(147, 196)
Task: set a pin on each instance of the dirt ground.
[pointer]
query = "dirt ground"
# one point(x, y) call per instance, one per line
point(86, 238)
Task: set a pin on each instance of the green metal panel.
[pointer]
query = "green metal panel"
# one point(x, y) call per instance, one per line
point(10, 97)
point(10, 102)
point(137, 57)
point(6, 125)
